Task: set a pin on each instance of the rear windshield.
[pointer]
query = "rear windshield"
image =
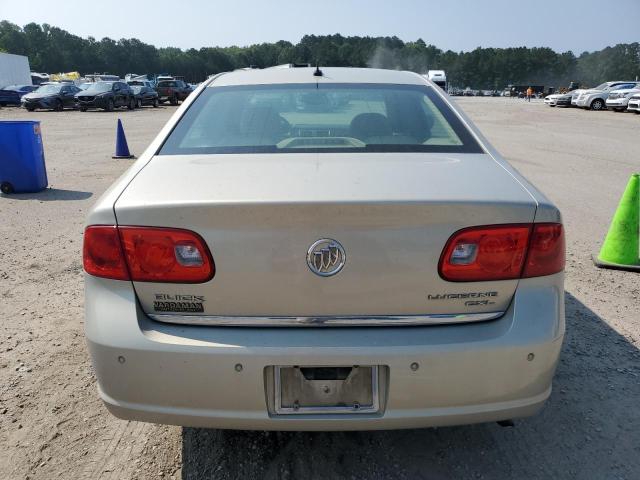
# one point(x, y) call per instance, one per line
point(317, 118)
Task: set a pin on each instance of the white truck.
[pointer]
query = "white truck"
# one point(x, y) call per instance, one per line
point(14, 70)
point(438, 77)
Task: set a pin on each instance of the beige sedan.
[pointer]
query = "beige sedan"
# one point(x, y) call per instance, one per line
point(323, 249)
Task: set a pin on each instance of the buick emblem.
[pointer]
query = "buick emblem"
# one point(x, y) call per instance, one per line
point(326, 257)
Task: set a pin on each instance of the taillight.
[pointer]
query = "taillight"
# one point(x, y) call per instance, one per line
point(102, 254)
point(154, 254)
point(503, 252)
point(546, 250)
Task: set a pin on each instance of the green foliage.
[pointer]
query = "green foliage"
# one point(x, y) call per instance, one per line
point(51, 49)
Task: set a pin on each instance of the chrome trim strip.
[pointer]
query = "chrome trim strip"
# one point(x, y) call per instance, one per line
point(335, 321)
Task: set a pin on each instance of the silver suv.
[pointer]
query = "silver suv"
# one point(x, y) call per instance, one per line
point(596, 98)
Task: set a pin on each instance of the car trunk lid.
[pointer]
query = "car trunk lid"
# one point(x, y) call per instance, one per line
point(260, 213)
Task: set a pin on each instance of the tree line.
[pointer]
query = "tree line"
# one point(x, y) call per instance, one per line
point(52, 49)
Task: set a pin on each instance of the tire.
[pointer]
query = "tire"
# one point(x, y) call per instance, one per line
point(59, 106)
point(6, 188)
point(83, 109)
point(174, 100)
point(597, 104)
point(139, 104)
point(30, 109)
point(109, 107)
point(132, 103)
point(156, 103)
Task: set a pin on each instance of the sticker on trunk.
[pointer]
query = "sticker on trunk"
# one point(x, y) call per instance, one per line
point(178, 303)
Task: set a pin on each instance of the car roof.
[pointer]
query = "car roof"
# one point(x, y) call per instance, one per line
point(268, 76)
point(628, 89)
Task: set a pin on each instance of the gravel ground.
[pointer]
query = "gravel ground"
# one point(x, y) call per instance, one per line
point(52, 424)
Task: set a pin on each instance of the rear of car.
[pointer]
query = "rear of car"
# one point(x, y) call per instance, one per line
point(173, 91)
point(145, 95)
point(341, 251)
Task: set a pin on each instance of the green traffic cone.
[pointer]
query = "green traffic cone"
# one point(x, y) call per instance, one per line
point(620, 248)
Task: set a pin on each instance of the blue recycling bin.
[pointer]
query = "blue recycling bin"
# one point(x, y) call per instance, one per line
point(22, 167)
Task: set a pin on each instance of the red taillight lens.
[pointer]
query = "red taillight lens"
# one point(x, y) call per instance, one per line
point(485, 253)
point(546, 250)
point(152, 254)
point(503, 252)
point(102, 254)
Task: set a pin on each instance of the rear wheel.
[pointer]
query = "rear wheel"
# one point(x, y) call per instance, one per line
point(83, 109)
point(132, 103)
point(174, 100)
point(6, 188)
point(109, 107)
point(30, 108)
point(156, 104)
point(58, 106)
point(597, 104)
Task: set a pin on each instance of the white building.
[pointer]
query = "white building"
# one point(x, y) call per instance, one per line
point(14, 70)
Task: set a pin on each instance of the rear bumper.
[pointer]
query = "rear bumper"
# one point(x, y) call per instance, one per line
point(186, 375)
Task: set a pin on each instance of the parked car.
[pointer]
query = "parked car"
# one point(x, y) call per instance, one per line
point(619, 98)
point(140, 83)
point(221, 267)
point(12, 94)
point(52, 96)
point(634, 103)
point(173, 91)
point(595, 98)
point(560, 99)
point(145, 96)
point(107, 96)
point(551, 99)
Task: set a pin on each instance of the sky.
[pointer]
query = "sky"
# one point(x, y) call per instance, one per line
point(577, 25)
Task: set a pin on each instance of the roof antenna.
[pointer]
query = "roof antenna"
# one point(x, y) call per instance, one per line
point(318, 72)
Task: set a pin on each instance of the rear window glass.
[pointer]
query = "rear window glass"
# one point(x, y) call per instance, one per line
point(316, 118)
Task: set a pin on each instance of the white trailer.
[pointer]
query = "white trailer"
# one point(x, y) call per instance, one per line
point(14, 70)
point(438, 77)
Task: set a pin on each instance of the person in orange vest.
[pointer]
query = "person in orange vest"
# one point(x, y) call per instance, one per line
point(529, 93)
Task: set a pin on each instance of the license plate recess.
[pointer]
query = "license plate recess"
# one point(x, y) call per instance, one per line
point(301, 390)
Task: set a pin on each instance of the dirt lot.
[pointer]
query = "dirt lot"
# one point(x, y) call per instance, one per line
point(52, 424)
